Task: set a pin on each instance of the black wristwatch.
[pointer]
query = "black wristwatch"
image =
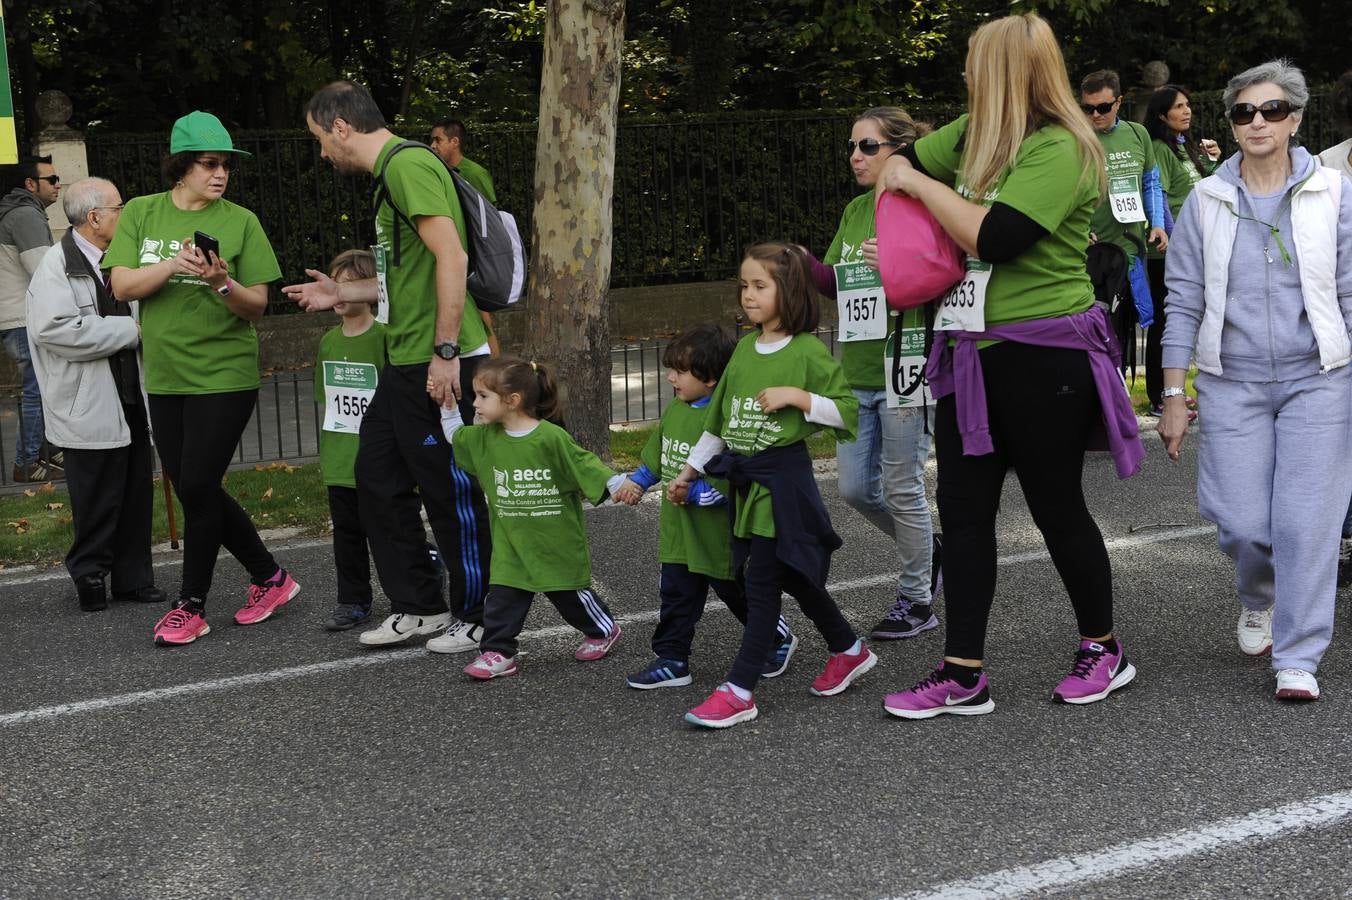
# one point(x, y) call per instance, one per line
point(448, 350)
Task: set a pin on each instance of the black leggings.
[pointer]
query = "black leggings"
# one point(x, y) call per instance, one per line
point(196, 436)
point(1042, 406)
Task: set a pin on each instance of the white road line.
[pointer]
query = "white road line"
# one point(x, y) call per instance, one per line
point(1076, 871)
point(377, 658)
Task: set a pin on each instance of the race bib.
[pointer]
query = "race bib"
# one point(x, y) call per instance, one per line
point(904, 363)
point(963, 308)
point(860, 305)
point(1124, 197)
point(348, 389)
point(382, 285)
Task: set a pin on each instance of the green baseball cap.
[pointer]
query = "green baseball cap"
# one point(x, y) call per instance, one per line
point(200, 132)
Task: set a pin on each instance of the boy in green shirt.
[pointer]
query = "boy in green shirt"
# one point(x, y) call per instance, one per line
point(347, 368)
point(696, 537)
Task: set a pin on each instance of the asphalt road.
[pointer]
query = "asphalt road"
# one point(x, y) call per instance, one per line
point(280, 760)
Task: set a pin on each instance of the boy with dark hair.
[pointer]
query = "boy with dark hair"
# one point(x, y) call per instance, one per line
point(696, 535)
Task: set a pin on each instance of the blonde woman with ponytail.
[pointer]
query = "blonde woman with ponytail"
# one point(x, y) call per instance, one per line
point(1023, 368)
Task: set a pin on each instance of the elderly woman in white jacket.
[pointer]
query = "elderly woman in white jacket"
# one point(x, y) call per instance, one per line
point(84, 346)
point(1259, 275)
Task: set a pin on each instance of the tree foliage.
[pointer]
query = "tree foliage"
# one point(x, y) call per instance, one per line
point(135, 65)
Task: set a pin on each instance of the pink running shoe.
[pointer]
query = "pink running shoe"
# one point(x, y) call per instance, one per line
point(596, 648)
point(492, 665)
point(723, 709)
point(264, 599)
point(180, 625)
point(1096, 674)
point(841, 671)
point(941, 694)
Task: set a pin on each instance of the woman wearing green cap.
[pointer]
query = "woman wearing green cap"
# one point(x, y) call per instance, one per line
point(197, 311)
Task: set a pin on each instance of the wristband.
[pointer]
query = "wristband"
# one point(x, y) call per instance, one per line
point(1172, 392)
point(224, 290)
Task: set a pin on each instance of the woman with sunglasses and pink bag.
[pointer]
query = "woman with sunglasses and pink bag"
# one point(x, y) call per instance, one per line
point(881, 474)
point(1259, 274)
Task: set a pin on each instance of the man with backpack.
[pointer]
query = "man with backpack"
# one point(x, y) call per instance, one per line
point(435, 341)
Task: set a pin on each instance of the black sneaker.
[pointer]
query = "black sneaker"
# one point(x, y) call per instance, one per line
point(905, 619)
point(147, 594)
point(346, 616)
point(1345, 562)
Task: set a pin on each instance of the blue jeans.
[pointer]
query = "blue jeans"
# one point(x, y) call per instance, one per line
point(31, 436)
point(882, 476)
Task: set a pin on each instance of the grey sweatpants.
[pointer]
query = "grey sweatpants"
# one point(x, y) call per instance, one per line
point(1276, 476)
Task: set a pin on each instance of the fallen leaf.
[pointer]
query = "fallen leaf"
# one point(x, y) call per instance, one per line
point(267, 495)
point(64, 520)
point(28, 493)
point(56, 506)
point(47, 488)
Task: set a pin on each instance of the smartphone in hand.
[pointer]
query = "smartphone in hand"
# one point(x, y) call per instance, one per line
point(207, 244)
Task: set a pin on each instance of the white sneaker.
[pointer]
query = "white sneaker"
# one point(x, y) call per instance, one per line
point(459, 637)
point(1296, 684)
point(1255, 631)
point(402, 626)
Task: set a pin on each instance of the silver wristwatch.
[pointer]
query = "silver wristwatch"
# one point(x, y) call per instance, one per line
point(1172, 392)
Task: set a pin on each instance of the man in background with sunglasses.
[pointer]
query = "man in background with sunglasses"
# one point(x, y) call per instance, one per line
point(1135, 203)
point(24, 238)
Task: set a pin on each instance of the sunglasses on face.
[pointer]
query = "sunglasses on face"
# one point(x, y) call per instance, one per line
point(211, 165)
point(1272, 111)
point(53, 180)
point(870, 147)
point(1101, 109)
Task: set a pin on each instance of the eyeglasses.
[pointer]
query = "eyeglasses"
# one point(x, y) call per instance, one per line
point(117, 208)
point(1101, 109)
point(1272, 110)
point(870, 147)
point(211, 165)
point(53, 180)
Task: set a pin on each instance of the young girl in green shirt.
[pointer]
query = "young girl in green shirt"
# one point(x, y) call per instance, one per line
point(781, 385)
point(535, 478)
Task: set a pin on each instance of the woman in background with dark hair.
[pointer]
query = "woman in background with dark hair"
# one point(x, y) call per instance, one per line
point(198, 306)
point(1183, 161)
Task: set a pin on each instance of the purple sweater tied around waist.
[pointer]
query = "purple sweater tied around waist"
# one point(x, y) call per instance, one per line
point(957, 370)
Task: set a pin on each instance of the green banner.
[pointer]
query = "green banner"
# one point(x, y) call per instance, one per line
point(9, 145)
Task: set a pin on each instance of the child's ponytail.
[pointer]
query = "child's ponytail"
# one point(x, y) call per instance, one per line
point(507, 375)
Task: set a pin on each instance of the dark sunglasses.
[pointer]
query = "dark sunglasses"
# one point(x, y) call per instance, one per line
point(1102, 108)
point(53, 180)
point(1272, 110)
point(226, 163)
point(870, 147)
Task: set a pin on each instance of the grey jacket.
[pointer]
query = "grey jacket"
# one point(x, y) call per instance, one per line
point(25, 236)
point(71, 343)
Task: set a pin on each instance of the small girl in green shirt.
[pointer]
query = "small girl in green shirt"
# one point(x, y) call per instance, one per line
point(535, 477)
point(781, 385)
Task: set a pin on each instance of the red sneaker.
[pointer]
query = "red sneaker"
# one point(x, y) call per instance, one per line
point(723, 709)
point(181, 625)
point(841, 671)
point(492, 665)
point(264, 599)
point(594, 648)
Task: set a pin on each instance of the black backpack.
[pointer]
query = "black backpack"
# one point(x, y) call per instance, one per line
point(1108, 270)
point(497, 257)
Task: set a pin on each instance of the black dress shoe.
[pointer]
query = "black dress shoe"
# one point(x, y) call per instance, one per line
point(147, 594)
point(92, 592)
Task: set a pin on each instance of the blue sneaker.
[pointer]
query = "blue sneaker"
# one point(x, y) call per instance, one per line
point(661, 673)
point(346, 616)
point(778, 661)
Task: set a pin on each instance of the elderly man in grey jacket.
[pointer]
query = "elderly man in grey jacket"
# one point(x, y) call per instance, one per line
point(84, 345)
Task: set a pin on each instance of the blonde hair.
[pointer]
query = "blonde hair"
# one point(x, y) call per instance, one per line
point(1017, 82)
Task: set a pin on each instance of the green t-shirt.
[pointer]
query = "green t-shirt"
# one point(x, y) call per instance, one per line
point(1177, 178)
point(534, 485)
point(736, 417)
point(1046, 185)
point(420, 185)
point(697, 537)
point(863, 360)
point(478, 176)
point(192, 342)
point(1128, 155)
point(338, 449)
